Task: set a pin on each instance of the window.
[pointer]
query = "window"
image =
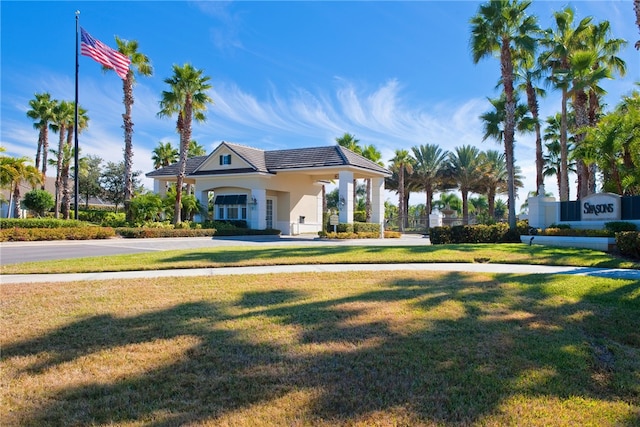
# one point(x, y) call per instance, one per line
point(231, 206)
point(225, 159)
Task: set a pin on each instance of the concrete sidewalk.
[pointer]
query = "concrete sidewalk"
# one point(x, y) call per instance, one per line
point(614, 273)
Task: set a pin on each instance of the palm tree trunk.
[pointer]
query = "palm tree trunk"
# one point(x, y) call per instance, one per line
point(59, 171)
point(509, 126)
point(533, 107)
point(16, 200)
point(564, 152)
point(401, 214)
point(582, 120)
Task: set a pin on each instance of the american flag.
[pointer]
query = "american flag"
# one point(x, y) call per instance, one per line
point(103, 54)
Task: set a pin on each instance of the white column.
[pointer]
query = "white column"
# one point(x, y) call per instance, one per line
point(345, 196)
point(377, 203)
point(203, 198)
point(259, 210)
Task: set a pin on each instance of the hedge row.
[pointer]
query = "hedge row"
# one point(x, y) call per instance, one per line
point(360, 235)
point(496, 233)
point(575, 232)
point(628, 243)
point(41, 223)
point(16, 234)
point(148, 232)
point(144, 232)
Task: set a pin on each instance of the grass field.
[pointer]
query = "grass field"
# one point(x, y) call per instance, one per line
point(357, 349)
point(323, 254)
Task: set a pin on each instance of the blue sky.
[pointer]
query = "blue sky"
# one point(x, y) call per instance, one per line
point(284, 74)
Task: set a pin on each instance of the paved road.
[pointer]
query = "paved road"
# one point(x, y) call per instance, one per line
point(32, 251)
point(17, 252)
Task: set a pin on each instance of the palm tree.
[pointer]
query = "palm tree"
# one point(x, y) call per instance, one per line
point(141, 64)
point(196, 150)
point(430, 162)
point(561, 43)
point(187, 98)
point(83, 122)
point(370, 152)
point(164, 155)
point(584, 78)
point(466, 169)
point(503, 27)
point(636, 7)
point(13, 171)
point(350, 142)
point(42, 112)
point(64, 115)
point(528, 73)
point(494, 179)
point(606, 50)
point(402, 162)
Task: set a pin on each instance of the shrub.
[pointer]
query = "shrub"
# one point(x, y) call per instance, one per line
point(618, 226)
point(344, 228)
point(366, 227)
point(38, 201)
point(575, 232)
point(628, 243)
point(41, 223)
point(113, 219)
point(144, 232)
point(496, 233)
point(16, 234)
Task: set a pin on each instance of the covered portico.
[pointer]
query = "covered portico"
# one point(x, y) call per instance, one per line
point(279, 189)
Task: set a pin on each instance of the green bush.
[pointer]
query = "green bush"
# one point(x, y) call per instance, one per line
point(574, 232)
point(344, 228)
point(628, 243)
point(113, 219)
point(144, 232)
point(366, 227)
point(16, 234)
point(38, 201)
point(618, 226)
point(496, 233)
point(41, 223)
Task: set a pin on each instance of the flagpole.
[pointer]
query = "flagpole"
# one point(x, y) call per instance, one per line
point(75, 130)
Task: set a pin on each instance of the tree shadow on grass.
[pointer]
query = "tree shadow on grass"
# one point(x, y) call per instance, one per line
point(448, 349)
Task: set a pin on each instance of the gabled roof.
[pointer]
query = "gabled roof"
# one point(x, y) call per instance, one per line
point(172, 169)
point(278, 160)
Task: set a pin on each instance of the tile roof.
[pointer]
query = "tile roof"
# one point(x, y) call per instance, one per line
point(279, 160)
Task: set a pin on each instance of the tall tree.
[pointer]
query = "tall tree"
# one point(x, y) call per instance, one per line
point(466, 169)
point(583, 78)
point(196, 149)
point(636, 7)
point(42, 112)
point(188, 99)
point(561, 42)
point(402, 162)
point(141, 65)
point(64, 114)
point(430, 162)
point(503, 27)
point(13, 171)
point(164, 155)
point(494, 179)
point(89, 177)
point(606, 50)
point(83, 122)
point(528, 74)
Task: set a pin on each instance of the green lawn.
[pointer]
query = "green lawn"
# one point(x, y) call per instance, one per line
point(358, 349)
point(279, 255)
